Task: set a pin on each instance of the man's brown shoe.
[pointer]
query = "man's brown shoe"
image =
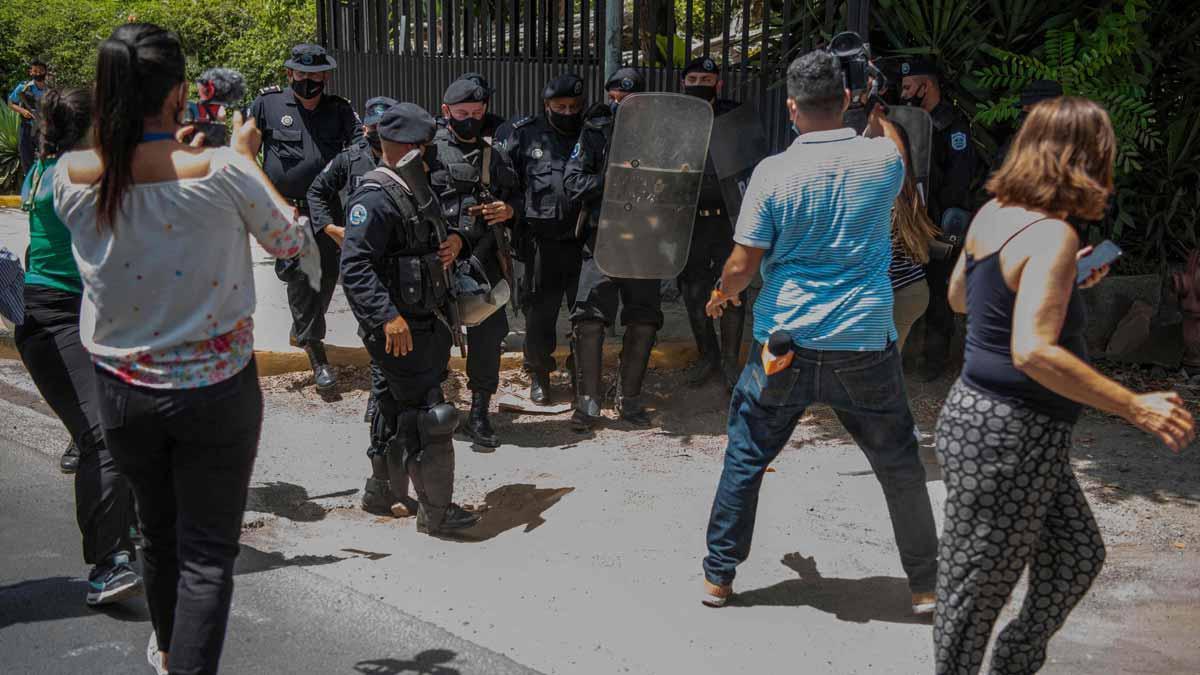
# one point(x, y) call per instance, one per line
point(716, 595)
point(923, 603)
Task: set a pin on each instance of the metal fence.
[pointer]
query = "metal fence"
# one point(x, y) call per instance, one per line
point(412, 49)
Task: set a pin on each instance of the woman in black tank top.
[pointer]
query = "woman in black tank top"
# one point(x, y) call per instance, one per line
point(1004, 432)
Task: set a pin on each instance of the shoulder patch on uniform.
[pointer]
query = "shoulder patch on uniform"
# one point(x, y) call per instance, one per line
point(958, 141)
point(528, 119)
point(273, 89)
point(358, 215)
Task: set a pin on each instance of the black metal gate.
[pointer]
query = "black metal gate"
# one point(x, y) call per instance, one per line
point(412, 49)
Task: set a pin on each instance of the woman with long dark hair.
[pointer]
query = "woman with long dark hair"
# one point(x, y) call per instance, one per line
point(1004, 433)
point(160, 231)
point(49, 344)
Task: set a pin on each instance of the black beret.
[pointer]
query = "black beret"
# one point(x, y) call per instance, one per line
point(626, 79)
point(464, 91)
point(480, 80)
point(308, 58)
point(567, 84)
point(407, 123)
point(375, 109)
point(703, 64)
point(1038, 91)
point(918, 66)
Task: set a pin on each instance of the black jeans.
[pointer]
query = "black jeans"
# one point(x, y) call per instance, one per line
point(188, 454)
point(27, 142)
point(866, 391)
point(309, 306)
point(485, 345)
point(556, 275)
point(63, 372)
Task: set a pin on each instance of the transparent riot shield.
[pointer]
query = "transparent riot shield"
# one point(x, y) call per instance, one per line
point(738, 144)
point(918, 128)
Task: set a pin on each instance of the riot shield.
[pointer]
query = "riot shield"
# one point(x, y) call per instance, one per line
point(738, 144)
point(918, 128)
point(651, 186)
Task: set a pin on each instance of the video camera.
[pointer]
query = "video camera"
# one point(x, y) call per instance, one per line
point(860, 76)
point(220, 89)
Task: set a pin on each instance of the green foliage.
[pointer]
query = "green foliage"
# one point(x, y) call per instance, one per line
point(10, 155)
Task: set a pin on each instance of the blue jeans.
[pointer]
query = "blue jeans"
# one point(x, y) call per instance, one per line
point(866, 390)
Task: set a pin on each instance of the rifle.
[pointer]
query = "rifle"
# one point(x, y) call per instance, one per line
point(503, 246)
point(411, 170)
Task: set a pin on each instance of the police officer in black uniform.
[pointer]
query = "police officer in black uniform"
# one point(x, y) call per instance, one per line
point(491, 121)
point(596, 302)
point(391, 261)
point(1031, 94)
point(712, 243)
point(473, 179)
point(326, 196)
point(546, 240)
point(303, 130)
point(952, 169)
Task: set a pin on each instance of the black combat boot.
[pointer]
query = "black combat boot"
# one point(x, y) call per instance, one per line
point(635, 358)
point(588, 349)
point(69, 463)
point(733, 323)
point(323, 375)
point(479, 427)
point(432, 471)
point(539, 388)
point(377, 495)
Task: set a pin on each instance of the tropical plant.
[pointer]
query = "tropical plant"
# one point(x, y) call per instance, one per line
point(10, 151)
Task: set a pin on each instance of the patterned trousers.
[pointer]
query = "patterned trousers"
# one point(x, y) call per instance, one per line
point(1012, 502)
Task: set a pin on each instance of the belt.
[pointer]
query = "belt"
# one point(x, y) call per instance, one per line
point(709, 212)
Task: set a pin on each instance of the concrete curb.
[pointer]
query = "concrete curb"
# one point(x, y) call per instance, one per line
point(10, 201)
point(669, 355)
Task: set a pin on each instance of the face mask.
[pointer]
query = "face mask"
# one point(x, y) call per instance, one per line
point(567, 124)
point(704, 91)
point(915, 100)
point(612, 105)
point(374, 142)
point(40, 77)
point(467, 129)
point(308, 88)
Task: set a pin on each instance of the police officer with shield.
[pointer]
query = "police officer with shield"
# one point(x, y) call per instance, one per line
point(327, 195)
point(712, 242)
point(546, 240)
point(952, 168)
point(393, 267)
point(596, 301)
point(472, 180)
point(303, 130)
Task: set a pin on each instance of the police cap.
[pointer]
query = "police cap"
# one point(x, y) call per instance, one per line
point(565, 85)
point(375, 109)
point(703, 64)
point(407, 123)
point(464, 91)
point(1038, 91)
point(626, 79)
point(480, 80)
point(918, 66)
point(308, 58)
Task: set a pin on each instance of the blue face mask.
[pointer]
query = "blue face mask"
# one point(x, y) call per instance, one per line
point(612, 105)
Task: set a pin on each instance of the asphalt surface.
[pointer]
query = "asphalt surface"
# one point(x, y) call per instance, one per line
point(285, 619)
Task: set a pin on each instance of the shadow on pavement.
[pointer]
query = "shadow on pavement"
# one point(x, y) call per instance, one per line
point(513, 506)
point(251, 561)
point(426, 663)
point(290, 501)
point(854, 600)
point(55, 598)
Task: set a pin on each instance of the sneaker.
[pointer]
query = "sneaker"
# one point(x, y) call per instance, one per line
point(113, 582)
point(923, 603)
point(716, 595)
point(153, 656)
point(69, 463)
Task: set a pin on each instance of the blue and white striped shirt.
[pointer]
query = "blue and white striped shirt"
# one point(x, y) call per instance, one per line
point(822, 209)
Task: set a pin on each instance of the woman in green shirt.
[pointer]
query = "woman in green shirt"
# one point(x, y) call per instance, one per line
point(62, 369)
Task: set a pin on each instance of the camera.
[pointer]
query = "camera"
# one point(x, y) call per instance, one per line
point(859, 75)
point(220, 89)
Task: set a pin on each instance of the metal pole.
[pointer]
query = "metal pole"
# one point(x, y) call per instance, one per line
point(612, 36)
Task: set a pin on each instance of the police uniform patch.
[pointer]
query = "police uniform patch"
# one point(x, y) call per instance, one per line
point(286, 120)
point(576, 150)
point(537, 153)
point(627, 84)
point(905, 68)
point(358, 215)
point(578, 88)
point(958, 141)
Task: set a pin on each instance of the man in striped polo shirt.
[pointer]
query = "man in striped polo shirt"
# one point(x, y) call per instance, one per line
point(817, 219)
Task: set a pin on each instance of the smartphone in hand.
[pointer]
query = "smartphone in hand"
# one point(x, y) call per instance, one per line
point(1104, 253)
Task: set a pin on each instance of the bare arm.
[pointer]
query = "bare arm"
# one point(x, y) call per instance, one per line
point(958, 284)
point(1043, 294)
point(20, 111)
point(735, 277)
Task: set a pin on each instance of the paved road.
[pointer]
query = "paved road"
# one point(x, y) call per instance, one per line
point(285, 618)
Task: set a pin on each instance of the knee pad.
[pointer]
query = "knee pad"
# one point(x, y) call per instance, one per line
point(437, 424)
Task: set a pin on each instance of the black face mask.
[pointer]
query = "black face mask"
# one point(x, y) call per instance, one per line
point(374, 142)
point(39, 78)
point(467, 129)
point(914, 101)
point(568, 124)
point(308, 88)
point(704, 91)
